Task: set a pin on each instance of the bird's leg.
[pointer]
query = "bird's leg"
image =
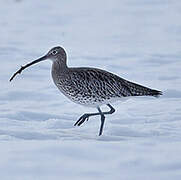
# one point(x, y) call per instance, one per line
point(102, 121)
point(86, 116)
point(112, 110)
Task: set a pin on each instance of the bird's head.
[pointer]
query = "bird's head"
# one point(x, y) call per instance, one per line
point(54, 54)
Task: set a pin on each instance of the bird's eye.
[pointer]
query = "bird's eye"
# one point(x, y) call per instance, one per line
point(54, 52)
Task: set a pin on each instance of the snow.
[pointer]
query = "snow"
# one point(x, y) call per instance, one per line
point(137, 40)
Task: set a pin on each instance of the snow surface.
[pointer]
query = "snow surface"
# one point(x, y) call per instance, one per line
point(136, 39)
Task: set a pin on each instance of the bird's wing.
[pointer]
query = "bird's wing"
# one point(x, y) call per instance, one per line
point(106, 84)
point(99, 82)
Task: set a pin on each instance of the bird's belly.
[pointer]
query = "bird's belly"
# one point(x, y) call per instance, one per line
point(81, 98)
point(95, 102)
point(85, 99)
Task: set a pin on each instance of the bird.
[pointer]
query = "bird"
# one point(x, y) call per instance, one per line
point(87, 86)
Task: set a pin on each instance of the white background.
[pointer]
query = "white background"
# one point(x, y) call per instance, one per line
point(136, 39)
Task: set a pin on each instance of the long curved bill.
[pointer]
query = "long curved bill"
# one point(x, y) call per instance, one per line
point(27, 65)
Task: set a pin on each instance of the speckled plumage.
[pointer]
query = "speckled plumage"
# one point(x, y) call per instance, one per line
point(90, 86)
point(94, 87)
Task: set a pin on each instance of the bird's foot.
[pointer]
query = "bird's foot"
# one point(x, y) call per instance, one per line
point(82, 119)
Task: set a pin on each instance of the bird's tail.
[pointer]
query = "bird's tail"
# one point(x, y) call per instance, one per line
point(154, 93)
point(139, 90)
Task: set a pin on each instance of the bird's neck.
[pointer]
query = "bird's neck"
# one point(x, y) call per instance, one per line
point(60, 66)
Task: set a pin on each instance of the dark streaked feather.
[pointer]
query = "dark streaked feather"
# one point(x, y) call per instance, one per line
point(104, 84)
